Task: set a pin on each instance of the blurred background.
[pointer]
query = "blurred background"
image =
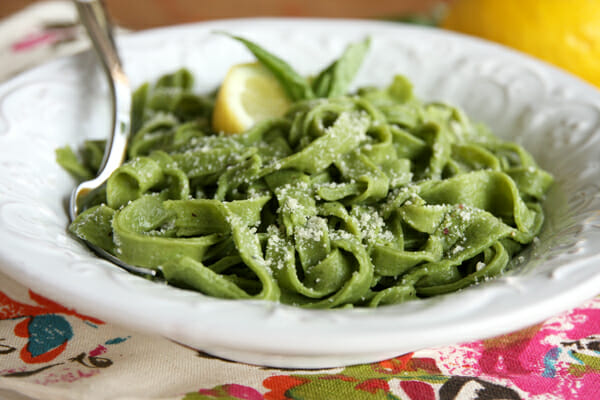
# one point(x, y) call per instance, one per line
point(142, 14)
point(563, 32)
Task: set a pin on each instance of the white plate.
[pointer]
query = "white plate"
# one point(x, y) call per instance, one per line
point(555, 116)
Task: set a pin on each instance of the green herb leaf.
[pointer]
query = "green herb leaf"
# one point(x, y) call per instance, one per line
point(295, 85)
point(334, 80)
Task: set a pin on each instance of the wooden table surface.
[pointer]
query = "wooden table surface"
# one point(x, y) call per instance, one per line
point(141, 14)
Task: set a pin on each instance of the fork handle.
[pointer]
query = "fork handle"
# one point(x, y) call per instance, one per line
point(94, 17)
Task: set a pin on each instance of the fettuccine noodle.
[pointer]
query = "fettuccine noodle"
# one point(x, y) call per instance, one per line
point(364, 199)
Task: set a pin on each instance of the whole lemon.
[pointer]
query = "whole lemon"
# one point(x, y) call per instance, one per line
point(563, 32)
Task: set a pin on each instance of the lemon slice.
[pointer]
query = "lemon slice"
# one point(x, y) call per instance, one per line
point(249, 94)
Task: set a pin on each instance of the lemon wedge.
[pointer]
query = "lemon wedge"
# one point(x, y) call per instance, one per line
point(249, 94)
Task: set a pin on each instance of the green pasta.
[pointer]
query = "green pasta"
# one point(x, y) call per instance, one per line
point(351, 199)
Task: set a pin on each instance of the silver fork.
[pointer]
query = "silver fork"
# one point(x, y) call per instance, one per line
point(94, 17)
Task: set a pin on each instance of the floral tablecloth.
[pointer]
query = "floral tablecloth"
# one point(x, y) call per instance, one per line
point(50, 351)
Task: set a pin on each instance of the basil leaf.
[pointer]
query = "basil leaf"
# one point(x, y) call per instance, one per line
point(295, 85)
point(334, 80)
